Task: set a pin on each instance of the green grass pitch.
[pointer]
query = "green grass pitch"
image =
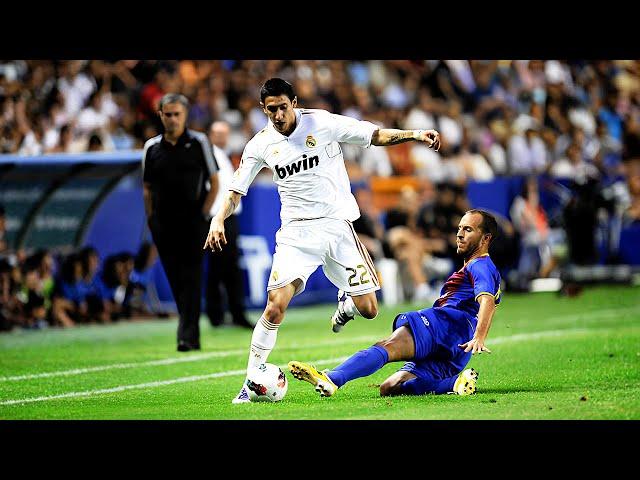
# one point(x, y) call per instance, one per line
point(553, 358)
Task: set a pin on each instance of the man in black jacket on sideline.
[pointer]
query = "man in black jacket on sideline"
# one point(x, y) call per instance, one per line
point(180, 184)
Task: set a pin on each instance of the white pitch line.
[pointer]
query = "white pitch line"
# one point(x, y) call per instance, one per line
point(226, 353)
point(541, 334)
point(161, 383)
point(204, 356)
point(164, 361)
point(173, 360)
point(195, 378)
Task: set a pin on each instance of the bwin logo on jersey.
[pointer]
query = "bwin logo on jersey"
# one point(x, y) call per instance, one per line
point(295, 167)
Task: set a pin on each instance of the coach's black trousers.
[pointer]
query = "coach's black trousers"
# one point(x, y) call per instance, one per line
point(179, 244)
point(224, 270)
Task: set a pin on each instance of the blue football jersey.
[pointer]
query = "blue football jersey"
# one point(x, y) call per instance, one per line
point(462, 289)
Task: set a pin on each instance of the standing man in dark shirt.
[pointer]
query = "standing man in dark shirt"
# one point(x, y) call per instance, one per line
point(180, 184)
point(224, 269)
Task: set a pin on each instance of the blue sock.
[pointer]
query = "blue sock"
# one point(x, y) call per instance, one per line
point(361, 364)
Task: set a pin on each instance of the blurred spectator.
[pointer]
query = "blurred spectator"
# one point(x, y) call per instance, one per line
point(631, 168)
point(427, 162)
point(473, 163)
point(224, 276)
point(64, 140)
point(31, 296)
point(551, 145)
point(46, 271)
point(505, 248)
point(440, 220)
point(92, 117)
point(538, 253)
point(126, 264)
point(139, 280)
point(91, 287)
point(573, 166)
point(75, 85)
point(581, 220)
point(609, 150)
point(526, 152)
point(95, 143)
point(608, 113)
point(496, 152)
point(4, 246)
point(368, 226)
point(69, 304)
point(114, 283)
point(8, 297)
point(375, 161)
point(121, 132)
point(119, 99)
point(409, 247)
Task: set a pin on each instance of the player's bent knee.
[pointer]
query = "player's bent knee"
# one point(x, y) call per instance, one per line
point(391, 348)
point(274, 311)
point(367, 307)
point(370, 313)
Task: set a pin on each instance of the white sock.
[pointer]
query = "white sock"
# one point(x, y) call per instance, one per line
point(350, 308)
point(262, 342)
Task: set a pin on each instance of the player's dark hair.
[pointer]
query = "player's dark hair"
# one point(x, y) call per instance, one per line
point(274, 87)
point(174, 98)
point(489, 224)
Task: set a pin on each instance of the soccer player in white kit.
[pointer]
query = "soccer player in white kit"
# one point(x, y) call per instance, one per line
point(302, 148)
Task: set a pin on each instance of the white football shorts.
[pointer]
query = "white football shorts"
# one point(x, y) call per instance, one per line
point(303, 245)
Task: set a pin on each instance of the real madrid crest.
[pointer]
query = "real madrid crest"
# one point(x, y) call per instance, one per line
point(311, 142)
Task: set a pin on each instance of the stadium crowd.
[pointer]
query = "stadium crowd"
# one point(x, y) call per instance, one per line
point(544, 120)
point(47, 289)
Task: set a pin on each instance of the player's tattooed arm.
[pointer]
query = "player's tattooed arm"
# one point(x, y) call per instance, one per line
point(391, 136)
point(231, 202)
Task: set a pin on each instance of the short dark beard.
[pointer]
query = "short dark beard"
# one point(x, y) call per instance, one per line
point(470, 254)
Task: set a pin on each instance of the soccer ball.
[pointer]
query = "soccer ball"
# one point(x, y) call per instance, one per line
point(266, 383)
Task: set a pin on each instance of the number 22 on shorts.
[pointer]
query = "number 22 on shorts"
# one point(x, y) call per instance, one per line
point(354, 273)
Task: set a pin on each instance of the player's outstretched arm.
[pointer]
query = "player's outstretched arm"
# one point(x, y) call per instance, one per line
point(216, 238)
point(485, 315)
point(390, 136)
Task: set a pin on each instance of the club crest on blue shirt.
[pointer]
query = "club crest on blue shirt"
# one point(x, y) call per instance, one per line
point(311, 142)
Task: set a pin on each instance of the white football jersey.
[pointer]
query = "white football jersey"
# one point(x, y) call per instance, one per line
point(308, 166)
